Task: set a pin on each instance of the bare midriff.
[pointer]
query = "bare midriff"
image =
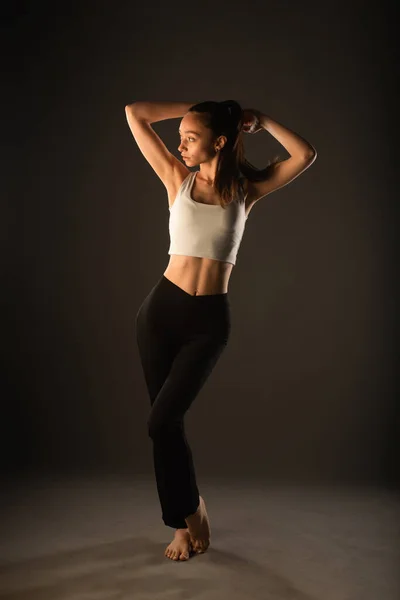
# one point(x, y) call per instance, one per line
point(196, 275)
point(199, 276)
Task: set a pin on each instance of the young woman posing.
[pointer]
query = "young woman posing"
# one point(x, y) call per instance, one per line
point(183, 325)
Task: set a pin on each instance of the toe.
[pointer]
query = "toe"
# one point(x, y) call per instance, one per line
point(201, 546)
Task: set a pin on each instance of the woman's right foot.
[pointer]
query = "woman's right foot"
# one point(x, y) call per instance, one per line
point(179, 548)
point(199, 528)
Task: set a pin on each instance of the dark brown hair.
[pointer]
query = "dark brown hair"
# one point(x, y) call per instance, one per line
point(226, 118)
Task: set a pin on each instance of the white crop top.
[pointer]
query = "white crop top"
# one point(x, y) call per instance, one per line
point(205, 230)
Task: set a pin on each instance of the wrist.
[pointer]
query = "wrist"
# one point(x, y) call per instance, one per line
point(264, 121)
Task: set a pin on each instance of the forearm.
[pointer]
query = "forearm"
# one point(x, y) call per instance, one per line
point(291, 141)
point(159, 111)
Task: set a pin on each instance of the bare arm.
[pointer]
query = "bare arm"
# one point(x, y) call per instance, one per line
point(302, 156)
point(139, 116)
point(291, 141)
point(159, 111)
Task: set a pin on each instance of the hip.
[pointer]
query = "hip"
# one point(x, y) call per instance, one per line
point(171, 309)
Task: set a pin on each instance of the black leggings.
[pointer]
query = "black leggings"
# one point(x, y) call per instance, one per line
point(180, 339)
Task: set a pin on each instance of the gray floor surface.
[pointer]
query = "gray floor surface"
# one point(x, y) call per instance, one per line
point(102, 538)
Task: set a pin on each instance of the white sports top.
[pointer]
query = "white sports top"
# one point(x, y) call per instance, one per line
point(205, 230)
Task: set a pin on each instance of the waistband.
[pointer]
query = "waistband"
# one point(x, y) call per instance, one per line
point(203, 299)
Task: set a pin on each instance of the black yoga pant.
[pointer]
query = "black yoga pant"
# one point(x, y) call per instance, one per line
point(180, 339)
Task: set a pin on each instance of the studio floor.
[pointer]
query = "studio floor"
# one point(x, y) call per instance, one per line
point(102, 538)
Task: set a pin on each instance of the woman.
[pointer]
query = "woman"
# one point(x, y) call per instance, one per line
point(183, 325)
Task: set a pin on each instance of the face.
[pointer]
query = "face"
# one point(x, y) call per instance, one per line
point(196, 141)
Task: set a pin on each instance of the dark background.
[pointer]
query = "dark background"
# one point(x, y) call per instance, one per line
point(306, 389)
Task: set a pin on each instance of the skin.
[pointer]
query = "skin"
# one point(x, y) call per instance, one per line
point(200, 149)
point(195, 538)
point(198, 275)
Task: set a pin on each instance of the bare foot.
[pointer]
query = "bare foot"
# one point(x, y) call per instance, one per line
point(179, 547)
point(199, 528)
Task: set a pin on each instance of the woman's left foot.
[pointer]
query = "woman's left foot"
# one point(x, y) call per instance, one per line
point(180, 546)
point(199, 528)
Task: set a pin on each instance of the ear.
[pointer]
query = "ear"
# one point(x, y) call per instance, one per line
point(221, 141)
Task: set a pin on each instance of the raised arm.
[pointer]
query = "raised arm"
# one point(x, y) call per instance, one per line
point(139, 116)
point(159, 111)
point(302, 156)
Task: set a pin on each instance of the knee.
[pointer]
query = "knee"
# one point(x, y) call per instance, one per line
point(154, 428)
point(157, 428)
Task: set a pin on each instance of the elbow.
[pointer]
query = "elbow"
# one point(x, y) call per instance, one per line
point(131, 107)
point(311, 153)
point(311, 156)
point(136, 108)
